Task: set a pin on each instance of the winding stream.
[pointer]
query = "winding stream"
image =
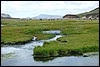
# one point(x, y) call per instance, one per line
point(21, 55)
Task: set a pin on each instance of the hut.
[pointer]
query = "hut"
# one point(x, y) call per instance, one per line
point(69, 16)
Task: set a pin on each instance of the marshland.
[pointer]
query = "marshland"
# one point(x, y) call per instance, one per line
point(77, 38)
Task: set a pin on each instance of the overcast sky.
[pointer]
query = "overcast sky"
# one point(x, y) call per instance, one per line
point(22, 9)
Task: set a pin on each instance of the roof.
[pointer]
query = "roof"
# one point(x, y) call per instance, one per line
point(74, 16)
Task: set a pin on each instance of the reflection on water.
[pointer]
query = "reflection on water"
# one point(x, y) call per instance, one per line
point(8, 55)
point(70, 61)
point(43, 59)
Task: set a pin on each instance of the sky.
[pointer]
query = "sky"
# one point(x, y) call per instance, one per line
point(23, 9)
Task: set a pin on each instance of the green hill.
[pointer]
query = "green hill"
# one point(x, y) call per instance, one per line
point(94, 11)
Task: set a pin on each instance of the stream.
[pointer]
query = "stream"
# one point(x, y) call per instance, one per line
point(21, 55)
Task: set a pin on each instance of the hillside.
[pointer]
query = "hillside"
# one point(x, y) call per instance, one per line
point(94, 11)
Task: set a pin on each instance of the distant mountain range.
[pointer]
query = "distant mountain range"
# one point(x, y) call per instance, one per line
point(3, 15)
point(94, 13)
point(46, 16)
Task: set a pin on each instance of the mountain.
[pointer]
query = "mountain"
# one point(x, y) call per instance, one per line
point(3, 15)
point(92, 12)
point(46, 16)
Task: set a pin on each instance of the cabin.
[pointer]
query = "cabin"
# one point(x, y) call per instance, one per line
point(69, 16)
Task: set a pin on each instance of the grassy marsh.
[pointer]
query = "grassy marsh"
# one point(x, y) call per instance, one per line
point(83, 35)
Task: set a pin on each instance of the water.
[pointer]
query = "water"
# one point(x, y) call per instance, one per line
point(52, 32)
point(23, 52)
point(53, 39)
point(6, 50)
point(22, 56)
point(2, 25)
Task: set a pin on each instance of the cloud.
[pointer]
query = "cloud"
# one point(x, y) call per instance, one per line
point(33, 8)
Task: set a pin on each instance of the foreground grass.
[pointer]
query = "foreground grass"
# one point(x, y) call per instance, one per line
point(75, 45)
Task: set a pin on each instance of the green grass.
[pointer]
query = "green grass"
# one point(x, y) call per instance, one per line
point(83, 35)
point(23, 30)
point(77, 42)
